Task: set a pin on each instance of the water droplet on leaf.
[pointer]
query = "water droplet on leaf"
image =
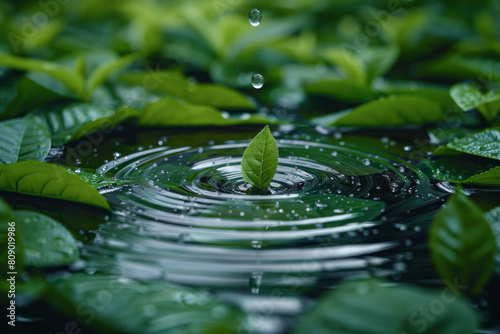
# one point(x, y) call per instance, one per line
point(254, 17)
point(257, 81)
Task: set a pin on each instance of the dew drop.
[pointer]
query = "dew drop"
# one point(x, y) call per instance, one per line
point(366, 162)
point(254, 282)
point(257, 81)
point(254, 17)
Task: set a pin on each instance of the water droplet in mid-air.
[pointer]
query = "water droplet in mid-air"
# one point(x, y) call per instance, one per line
point(257, 81)
point(254, 17)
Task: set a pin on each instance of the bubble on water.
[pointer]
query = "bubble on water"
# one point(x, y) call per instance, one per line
point(116, 155)
point(254, 17)
point(257, 81)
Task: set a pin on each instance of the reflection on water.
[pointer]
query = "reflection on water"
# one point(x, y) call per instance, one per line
point(335, 209)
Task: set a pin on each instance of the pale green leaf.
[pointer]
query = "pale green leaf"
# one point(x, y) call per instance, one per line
point(48, 181)
point(100, 74)
point(260, 160)
point(468, 97)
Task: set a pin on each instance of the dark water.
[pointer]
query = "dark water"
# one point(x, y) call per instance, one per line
point(341, 205)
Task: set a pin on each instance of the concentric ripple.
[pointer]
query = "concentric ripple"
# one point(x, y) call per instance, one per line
point(187, 215)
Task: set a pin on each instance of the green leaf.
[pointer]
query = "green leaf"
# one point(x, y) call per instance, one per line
point(468, 97)
point(393, 111)
point(490, 178)
point(466, 169)
point(100, 74)
point(147, 308)
point(78, 119)
point(374, 307)
point(485, 143)
point(341, 90)
point(50, 181)
point(23, 139)
point(439, 94)
point(351, 67)
point(47, 242)
point(260, 160)
point(69, 77)
point(172, 112)
point(462, 244)
point(176, 85)
point(96, 180)
point(493, 217)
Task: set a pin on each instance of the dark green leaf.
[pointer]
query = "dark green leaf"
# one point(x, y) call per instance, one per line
point(493, 216)
point(133, 307)
point(393, 111)
point(10, 233)
point(47, 242)
point(468, 97)
point(375, 307)
point(465, 169)
point(260, 160)
point(485, 143)
point(172, 112)
point(76, 120)
point(462, 244)
point(341, 90)
point(23, 139)
point(49, 181)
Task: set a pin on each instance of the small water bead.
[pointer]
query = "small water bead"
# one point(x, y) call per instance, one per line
point(254, 17)
point(257, 81)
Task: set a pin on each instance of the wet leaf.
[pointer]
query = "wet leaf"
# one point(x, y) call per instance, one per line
point(47, 242)
point(48, 181)
point(172, 112)
point(372, 306)
point(78, 119)
point(394, 111)
point(468, 170)
point(133, 307)
point(462, 244)
point(485, 143)
point(10, 234)
point(468, 97)
point(23, 139)
point(260, 160)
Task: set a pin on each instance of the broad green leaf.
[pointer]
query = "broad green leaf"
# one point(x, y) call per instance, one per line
point(176, 85)
point(462, 68)
point(485, 143)
point(46, 241)
point(466, 169)
point(94, 179)
point(100, 74)
point(172, 112)
point(439, 94)
point(49, 181)
point(69, 77)
point(23, 139)
point(375, 307)
point(468, 97)
point(73, 121)
point(462, 244)
point(493, 217)
point(341, 90)
point(147, 308)
point(440, 136)
point(393, 111)
point(489, 178)
point(260, 160)
point(377, 61)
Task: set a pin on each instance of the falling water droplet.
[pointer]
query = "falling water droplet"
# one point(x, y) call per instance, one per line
point(254, 282)
point(254, 17)
point(257, 81)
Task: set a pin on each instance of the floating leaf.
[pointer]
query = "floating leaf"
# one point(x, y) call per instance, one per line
point(47, 242)
point(485, 143)
point(176, 85)
point(133, 307)
point(69, 77)
point(23, 139)
point(260, 160)
point(172, 112)
point(462, 244)
point(49, 181)
point(468, 97)
point(395, 111)
point(375, 307)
